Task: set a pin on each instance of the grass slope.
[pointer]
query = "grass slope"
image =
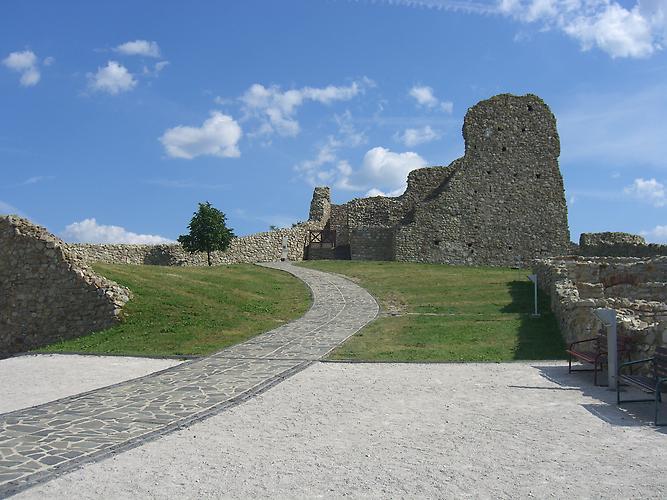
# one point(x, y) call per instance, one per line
point(193, 311)
point(448, 313)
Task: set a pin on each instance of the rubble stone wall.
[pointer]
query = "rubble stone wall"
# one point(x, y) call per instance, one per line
point(502, 203)
point(46, 293)
point(635, 288)
point(617, 245)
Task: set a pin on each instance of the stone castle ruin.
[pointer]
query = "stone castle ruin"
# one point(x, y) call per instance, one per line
point(502, 203)
point(46, 293)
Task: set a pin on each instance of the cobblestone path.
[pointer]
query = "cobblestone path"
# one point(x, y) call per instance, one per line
point(38, 443)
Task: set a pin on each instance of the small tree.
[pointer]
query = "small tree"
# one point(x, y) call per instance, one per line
point(208, 231)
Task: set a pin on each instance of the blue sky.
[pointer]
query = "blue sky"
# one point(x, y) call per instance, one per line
point(117, 118)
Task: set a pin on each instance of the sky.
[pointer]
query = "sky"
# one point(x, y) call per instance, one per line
point(117, 118)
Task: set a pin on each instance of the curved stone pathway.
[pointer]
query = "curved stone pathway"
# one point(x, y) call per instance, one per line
point(38, 443)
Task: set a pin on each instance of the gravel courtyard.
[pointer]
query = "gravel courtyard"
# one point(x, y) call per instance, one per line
point(399, 430)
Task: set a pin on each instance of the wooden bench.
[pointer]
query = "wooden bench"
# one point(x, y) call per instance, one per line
point(652, 383)
point(594, 351)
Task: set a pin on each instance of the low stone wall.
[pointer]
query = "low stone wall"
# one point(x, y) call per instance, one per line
point(46, 293)
point(617, 245)
point(635, 288)
point(260, 247)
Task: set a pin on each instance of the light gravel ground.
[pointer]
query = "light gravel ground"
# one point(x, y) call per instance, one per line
point(32, 380)
point(511, 430)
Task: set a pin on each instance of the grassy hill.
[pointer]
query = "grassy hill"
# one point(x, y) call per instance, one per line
point(434, 312)
point(193, 310)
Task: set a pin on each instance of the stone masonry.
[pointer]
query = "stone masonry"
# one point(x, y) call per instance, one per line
point(259, 247)
point(617, 245)
point(502, 203)
point(635, 288)
point(46, 293)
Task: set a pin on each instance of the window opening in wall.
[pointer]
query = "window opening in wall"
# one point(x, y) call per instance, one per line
point(436, 242)
point(504, 148)
point(537, 176)
point(530, 108)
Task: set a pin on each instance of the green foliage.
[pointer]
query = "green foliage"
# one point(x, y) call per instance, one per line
point(193, 310)
point(208, 231)
point(435, 312)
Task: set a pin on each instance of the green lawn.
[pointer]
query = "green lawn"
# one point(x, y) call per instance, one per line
point(193, 310)
point(448, 313)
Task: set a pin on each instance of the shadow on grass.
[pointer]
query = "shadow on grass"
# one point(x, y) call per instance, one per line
point(604, 407)
point(538, 337)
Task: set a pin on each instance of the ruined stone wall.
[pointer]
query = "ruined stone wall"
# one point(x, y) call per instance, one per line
point(260, 247)
point(47, 294)
point(635, 288)
point(502, 203)
point(371, 222)
point(372, 243)
point(617, 245)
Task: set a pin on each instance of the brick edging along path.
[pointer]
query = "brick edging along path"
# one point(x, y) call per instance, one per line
point(39, 443)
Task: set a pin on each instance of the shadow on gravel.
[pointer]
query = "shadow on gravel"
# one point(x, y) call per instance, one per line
point(629, 415)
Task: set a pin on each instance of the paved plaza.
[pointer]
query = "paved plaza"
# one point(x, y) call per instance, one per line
point(39, 443)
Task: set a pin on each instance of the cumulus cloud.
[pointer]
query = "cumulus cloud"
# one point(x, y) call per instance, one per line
point(635, 31)
point(414, 136)
point(382, 172)
point(656, 235)
point(218, 136)
point(629, 28)
point(385, 169)
point(25, 63)
point(277, 108)
point(650, 191)
point(113, 79)
point(89, 231)
point(425, 98)
point(139, 48)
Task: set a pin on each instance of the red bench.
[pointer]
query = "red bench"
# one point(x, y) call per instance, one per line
point(594, 352)
point(652, 383)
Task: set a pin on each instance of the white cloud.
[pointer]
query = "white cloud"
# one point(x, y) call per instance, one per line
point(384, 169)
point(276, 108)
point(414, 136)
point(635, 31)
point(25, 63)
point(218, 136)
point(426, 98)
point(621, 30)
point(649, 191)
point(89, 231)
point(382, 172)
point(113, 79)
point(139, 48)
point(156, 69)
point(656, 235)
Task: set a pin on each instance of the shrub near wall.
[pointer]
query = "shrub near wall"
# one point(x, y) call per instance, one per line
point(46, 293)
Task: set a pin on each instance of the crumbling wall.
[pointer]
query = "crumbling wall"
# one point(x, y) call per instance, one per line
point(46, 293)
point(635, 288)
point(502, 203)
point(259, 247)
point(617, 245)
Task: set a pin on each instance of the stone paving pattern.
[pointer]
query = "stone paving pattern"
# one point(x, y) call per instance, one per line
point(38, 443)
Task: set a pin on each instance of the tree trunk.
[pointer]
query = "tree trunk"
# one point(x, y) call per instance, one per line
point(208, 255)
